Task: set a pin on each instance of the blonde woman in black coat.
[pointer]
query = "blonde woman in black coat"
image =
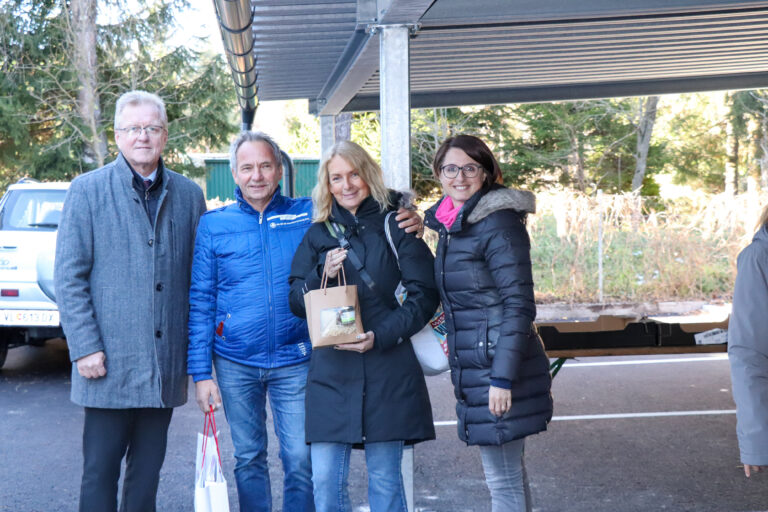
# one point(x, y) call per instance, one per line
point(499, 369)
point(371, 393)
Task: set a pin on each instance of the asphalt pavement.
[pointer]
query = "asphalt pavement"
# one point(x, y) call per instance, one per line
point(629, 434)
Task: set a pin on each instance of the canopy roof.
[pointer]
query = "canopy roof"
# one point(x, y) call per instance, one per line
point(467, 52)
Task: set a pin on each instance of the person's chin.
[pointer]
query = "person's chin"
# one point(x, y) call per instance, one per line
point(141, 161)
point(144, 156)
point(258, 194)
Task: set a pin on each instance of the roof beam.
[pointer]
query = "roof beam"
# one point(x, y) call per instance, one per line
point(571, 92)
point(360, 58)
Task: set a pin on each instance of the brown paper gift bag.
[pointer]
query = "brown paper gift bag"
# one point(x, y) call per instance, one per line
point(333, 314)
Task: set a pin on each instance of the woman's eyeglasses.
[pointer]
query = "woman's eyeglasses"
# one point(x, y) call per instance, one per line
point(469, 170)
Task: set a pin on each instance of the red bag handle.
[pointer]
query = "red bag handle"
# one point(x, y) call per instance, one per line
point(208, 423)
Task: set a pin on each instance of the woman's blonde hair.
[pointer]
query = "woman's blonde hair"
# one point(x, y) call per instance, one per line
point(362, 162)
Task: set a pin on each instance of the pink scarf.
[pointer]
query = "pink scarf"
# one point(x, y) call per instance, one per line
point(447, 212)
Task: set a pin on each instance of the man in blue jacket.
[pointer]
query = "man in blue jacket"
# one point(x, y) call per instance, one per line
point(240, 322)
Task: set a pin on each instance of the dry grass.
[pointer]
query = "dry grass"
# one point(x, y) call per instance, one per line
point(682, 249)
point(670, 250)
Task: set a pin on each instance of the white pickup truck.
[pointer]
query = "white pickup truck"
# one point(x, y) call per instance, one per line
point(29, 218)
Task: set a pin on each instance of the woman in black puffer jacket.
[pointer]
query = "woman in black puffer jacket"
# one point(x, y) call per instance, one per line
point(369, 394)
point(499, 369)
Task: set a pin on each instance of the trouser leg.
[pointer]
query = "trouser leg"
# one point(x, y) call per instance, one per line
point(505, 477)
point(330, 470)
point(146, 452)
point(285, 387)
point(385, 480)
point(106, 433)
point(243, 393)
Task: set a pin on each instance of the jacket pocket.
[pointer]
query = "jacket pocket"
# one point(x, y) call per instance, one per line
point(492, 335)
point(482, 352)
point(222, 327)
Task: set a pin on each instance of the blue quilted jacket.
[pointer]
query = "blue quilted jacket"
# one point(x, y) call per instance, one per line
point(238, 298)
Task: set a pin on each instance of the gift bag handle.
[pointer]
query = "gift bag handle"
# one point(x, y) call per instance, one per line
point(324, 280)
point(210, 423)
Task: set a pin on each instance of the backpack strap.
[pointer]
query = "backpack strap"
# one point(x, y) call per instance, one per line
point(333, 228)
point(337, 232)
point(388, 232)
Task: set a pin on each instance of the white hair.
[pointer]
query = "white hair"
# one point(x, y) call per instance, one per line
point(254, 137)
point(134, 98)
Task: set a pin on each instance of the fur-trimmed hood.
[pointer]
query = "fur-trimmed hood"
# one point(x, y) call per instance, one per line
point(502, 198)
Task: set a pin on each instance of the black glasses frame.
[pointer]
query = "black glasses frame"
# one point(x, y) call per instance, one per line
point(469, 170)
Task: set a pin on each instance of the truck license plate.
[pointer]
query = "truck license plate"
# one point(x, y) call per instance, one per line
point(29, 317)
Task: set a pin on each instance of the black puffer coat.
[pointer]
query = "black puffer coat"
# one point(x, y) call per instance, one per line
point(483, 272)
point(379, 395)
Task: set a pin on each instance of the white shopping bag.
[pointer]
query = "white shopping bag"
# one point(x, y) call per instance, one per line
point(210, 485)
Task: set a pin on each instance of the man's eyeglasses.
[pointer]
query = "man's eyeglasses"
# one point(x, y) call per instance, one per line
point(135, 131)
point(469, 170)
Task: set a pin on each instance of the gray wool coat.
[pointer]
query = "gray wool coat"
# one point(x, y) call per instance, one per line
point(748, 350)
point(122, 287)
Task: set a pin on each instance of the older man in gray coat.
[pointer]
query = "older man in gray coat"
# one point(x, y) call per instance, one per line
point(122, 275)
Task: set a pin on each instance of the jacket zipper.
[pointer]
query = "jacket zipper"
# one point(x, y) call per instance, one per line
point(447, 309)
point(263, 231)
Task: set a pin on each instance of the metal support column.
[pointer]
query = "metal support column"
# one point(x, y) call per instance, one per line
point(406, 469)
point(395, 94)
point(394, 66)
point(327, 134)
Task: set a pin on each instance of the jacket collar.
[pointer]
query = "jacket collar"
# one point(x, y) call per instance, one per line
point(127, 175)
point(432, 222)
point(138, 179)
point(277, 200)
point(484, 202)
point(346, 218)
point(761, 235)
point(502, 198)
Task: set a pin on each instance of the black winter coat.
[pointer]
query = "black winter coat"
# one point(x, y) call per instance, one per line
point(483, 272)
point(379, 395)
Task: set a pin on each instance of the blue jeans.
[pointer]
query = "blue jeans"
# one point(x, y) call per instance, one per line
point(330, 469)
point(505, 476)
point(244, 390)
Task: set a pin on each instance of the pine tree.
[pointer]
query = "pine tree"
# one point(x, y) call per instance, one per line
point(61, 73)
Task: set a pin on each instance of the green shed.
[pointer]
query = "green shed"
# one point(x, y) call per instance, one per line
point(219, 182)
point(305, 176)
point(218, 179)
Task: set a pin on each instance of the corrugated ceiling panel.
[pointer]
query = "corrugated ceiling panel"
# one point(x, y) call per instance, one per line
point(297, 44)
point(584, 52)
